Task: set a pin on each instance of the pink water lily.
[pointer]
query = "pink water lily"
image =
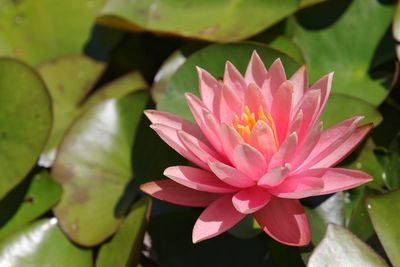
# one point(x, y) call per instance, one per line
point(259, 147)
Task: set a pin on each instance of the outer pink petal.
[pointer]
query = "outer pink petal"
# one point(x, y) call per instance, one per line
point(233, 79)
point(274, 176)
point(256, 71)
point(176, 122)
point(281, 109)
point(198, 148)
point(253, 98)
point(230, 139)
point(170, 136)
point(250, 200)
point(345, 148)
point(298, 187)
point(300, 85)
point(205, 120)
point(285, 221)
point(285, 153)
point(250, 161)
point(231, 175)
point(198, 179)
point(296, 122)
point(210, 90)
point(217, 218)
point(338, 179)
point(172, 192)
point(262, 138)
point(329, 141)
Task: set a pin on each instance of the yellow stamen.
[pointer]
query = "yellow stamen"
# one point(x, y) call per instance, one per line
point(245, 126)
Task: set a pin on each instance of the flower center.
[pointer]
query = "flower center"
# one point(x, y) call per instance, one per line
point(245, 125)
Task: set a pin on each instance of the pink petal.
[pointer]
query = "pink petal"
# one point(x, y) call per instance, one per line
point(175, 193)
point(300, 85)
point(281, 108)
point(205, 120)
point(298, 187)
point(324, 84)
point(263, 139)
point(304, 150)
point(337, 179)
point(170, 136)
point(217, 218)
point(176, 122)
point(233, 79)
point(276, 76)
point(296, 123)
point(254, 99)
point(251, 199)
point(274, 176)
point(285, 221)
point(285, 152)
point(230, 105)
point(344, 148)
point(249, 161)
point(330, 140)
point(209, 89)
point(197, 179)
point(230, 138)
point(309, 105)
point(230, 175)
point(202, 151)
point(256, 71)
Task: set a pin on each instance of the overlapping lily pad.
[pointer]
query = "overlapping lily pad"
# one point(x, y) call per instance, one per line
point(125, 247)
point(344, 41)
point(71, 81)
point(40, 30)
point(94, 166)
point(209, 20)
point(42, 244)
point(25, 121)
point(27, 201)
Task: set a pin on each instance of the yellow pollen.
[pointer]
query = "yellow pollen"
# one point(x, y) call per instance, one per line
point(244, 126)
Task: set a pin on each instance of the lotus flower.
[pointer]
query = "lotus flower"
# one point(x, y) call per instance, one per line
point(259, 147)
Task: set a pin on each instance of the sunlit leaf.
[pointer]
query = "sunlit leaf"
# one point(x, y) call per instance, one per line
point(42, 244)
point(40, 30)
point(27, 201)
point(25, 121)
point(94, 166)
point(208, 20)
point(341, 248)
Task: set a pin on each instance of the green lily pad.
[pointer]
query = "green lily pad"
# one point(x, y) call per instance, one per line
point(345, 44)
point(125, 247)
point(28, 201)
point(40, 30)
point(213, 58)
point(390, 161)
point(287, 46)
point(384, 211)
point(70, 81)
point(337, 109)
point(208, 20)
point(25, 121)
point(42, 244)
point(341, 248)
point(93, 166)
